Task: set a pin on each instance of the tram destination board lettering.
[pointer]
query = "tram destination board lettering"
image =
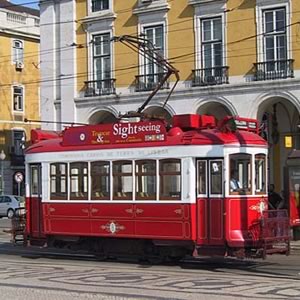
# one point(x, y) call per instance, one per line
point(118, 133)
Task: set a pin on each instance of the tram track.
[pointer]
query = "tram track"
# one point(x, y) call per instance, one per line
point(190, 264)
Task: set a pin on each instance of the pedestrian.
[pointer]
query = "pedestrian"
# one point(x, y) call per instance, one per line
point(275, 200)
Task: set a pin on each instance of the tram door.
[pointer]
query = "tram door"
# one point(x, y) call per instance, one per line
point(35, 206)
point(210, 196)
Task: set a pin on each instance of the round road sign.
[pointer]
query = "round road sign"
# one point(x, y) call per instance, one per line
point(19, 177)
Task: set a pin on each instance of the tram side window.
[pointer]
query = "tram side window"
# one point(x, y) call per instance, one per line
point(201, 175)
point(79, 181)
point(122, 180)
point(100, 176)
point(240, 173)
point(58, 181)
point(216, 177)
point(260, 173)
point(170, 179)
point(145, 174)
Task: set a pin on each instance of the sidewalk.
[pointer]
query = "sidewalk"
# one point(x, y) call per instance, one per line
point(295, 245)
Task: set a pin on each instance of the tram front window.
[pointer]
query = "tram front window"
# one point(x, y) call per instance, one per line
point(170, 179)
point(240, 173)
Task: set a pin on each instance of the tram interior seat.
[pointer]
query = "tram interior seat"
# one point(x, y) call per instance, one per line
point(99, 194)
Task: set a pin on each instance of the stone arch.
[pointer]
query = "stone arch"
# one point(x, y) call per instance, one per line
point(157, 111)
point(103, 116)
point(278, 114)
point(219, 108)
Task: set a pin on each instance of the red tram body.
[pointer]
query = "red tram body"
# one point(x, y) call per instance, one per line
point(143, 188)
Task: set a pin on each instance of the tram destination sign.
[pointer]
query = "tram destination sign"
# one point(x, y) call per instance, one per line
point(116, 133)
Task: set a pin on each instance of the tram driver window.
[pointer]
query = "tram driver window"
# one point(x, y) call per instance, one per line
point(240, 173)
point(145, 174)
point(122, 180)
point(58, 181)
point(100, 176)
point(170, 179)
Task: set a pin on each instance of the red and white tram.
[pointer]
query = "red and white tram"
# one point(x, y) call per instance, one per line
point(143, 188)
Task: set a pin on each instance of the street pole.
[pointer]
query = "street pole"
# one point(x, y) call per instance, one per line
point(2, 157)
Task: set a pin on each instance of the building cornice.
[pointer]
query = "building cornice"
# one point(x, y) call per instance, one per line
point(151, 7)
point(19, 33)
point(195, 92)
point(201, 2)
point(107, 16)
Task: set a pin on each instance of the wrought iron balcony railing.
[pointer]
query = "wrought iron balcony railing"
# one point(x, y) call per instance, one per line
point(99, 87)
point(149, 82)
point(210, 76)
point(277, 69)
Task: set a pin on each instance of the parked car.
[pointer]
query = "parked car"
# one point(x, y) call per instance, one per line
point(9, 204)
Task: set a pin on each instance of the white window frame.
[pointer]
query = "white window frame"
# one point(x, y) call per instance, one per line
point(101, 56)
point(200, 195)
point(102, 11)
point(272, 5)
point(17, 52)
point(90, 39)
point(219, 195)
point(210, 10)
point(22, 109)
point(211, 42)
point(141, 32)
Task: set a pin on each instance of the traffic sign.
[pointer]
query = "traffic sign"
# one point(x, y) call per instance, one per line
point(19, 177)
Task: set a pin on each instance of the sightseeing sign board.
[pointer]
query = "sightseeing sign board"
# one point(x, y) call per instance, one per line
point(117, 133)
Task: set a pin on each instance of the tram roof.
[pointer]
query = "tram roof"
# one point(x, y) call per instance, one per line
point(137, 135)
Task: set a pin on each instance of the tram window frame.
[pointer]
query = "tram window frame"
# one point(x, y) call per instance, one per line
point(118, 187)
point(164, 176)
point(81, 183)
point(35, 184)
point(59, 178)
point(143, 180)
point(100, 179)
point(201, 178)
point(262, 175)
point(216, 186)
point(237, 163)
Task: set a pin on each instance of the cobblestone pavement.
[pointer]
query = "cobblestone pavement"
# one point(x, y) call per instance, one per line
point(31, 277)
point(43, 278)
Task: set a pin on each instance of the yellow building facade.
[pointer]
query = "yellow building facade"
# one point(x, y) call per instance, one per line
point(234, 58)
point(19, 90)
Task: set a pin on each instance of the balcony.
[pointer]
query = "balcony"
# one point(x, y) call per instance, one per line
point(99, 87)
point(277, 69)
point(149, 82)
point(210, 76)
